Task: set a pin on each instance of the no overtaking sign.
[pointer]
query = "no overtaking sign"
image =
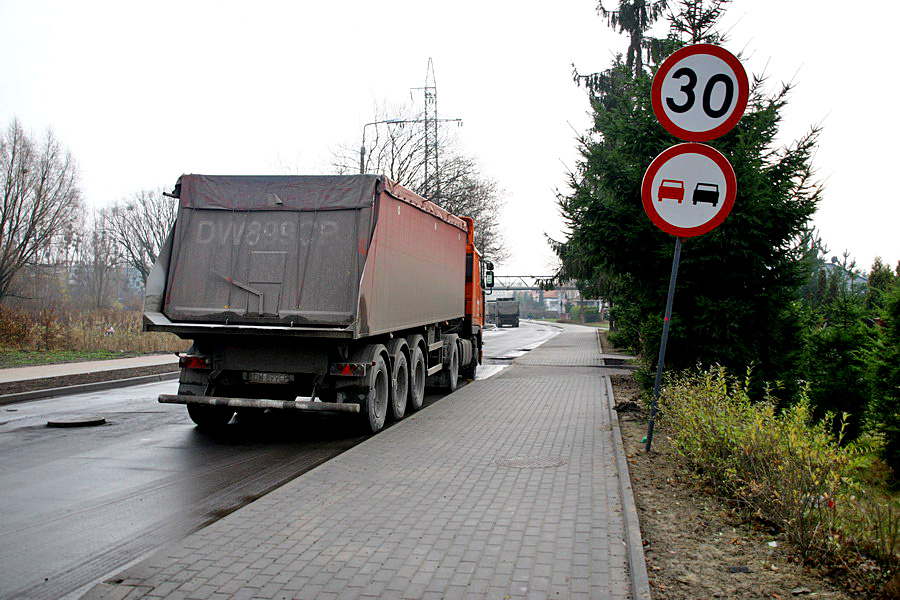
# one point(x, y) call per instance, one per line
point(688, 190)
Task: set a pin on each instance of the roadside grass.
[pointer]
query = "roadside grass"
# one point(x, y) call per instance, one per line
point(56, 335)
point(29, 358)
point(833, 503)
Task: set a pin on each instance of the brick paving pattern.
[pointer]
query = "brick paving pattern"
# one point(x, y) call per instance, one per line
point(508, 488)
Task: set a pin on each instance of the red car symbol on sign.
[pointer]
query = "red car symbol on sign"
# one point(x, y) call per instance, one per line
point(671, 189)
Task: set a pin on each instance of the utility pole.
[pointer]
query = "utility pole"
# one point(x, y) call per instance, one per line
point(432, 180)
point(432, 184)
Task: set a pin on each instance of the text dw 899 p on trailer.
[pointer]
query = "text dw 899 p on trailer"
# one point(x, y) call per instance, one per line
point(337, 293)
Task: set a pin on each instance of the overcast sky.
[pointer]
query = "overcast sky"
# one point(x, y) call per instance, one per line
point(143, 92)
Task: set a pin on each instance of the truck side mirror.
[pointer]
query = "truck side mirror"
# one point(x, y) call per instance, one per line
point(488, 279)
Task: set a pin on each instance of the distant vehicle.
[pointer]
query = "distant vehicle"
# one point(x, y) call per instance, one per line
point(706, 192)
point(491, 311)
point(507, 312)
point(316, 293)
point(671, 189)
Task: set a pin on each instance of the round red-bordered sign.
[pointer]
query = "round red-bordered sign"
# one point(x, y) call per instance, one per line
point(689, 189)
point(700, 92)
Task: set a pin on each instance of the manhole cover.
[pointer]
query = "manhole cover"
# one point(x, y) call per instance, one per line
point(529, 462)
point(76, 422)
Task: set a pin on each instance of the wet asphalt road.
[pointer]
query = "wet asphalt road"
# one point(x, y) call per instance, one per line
point(78, 504)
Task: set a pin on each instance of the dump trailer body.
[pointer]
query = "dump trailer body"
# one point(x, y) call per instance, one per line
point(342, 293)
point(507, 312)
point(315, 254)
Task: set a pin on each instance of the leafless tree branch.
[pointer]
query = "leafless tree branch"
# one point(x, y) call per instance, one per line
point(41, 197)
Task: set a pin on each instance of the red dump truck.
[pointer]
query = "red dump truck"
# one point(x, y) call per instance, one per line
point(316, 293)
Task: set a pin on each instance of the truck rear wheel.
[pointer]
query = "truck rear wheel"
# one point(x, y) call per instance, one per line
point(399, 378)
point(452, 369)
point(376, 404)
point(418, 371)
point(207, 416)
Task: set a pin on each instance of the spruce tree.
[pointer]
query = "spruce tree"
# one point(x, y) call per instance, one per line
point(734, 302)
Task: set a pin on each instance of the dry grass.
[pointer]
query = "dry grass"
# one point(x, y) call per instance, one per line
point(55, 329)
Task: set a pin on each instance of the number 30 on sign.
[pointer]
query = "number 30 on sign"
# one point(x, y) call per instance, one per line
point(700, 92)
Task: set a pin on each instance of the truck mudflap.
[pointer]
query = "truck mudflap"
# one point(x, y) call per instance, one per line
point(236, 403)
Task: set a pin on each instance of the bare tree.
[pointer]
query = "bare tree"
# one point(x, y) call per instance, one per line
point(98, 264)
point(395, 146)
point(139, 226)
point(465, 191)
point(40, 197)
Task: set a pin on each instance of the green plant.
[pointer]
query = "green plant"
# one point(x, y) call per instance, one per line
point(884, 413)
point(736, 285)
point(785, 468)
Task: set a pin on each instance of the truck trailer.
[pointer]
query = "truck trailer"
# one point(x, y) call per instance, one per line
point(507, 312)
point(315, 293)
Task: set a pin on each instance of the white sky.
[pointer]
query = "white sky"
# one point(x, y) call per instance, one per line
point(143, 92)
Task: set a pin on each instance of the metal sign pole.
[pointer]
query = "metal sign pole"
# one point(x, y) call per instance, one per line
point(662, 345)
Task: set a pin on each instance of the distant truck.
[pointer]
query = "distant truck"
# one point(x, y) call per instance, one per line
point(316, 293)
point(491, 311)
point(507, 312)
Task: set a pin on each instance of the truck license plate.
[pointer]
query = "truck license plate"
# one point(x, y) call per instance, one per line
point(270, 378)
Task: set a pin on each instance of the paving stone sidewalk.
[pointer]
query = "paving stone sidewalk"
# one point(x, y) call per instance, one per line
point(508, 488)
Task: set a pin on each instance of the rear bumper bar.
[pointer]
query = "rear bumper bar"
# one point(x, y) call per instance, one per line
point(304, 405)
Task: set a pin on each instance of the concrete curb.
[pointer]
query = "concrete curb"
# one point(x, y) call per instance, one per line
point(640, 582)
point(637, 566)
point(84, 388)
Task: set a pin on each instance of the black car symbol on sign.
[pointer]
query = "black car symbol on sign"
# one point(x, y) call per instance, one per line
point(706, 192)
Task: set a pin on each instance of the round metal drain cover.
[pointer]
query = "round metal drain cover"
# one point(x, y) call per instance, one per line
point(76, 422)
point(529, 462)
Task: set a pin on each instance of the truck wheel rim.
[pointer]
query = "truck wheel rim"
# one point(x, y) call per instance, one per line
point(380, 401)
point(401, 388)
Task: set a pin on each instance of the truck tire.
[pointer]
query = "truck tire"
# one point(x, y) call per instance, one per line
point(469, 371)
point(399, 378)
point(377, 399)
point(207, 416)
point(451, 369)
point(418, 371)
point(204, 416)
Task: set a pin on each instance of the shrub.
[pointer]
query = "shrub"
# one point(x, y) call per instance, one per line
point(781, 467)
point(585, 314)
point(15, 327)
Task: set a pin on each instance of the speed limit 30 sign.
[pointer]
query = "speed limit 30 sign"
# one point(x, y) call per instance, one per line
point(700, 92)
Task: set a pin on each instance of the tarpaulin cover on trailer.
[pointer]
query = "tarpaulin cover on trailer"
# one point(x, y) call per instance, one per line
point(276, 192)
point(270, 249)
